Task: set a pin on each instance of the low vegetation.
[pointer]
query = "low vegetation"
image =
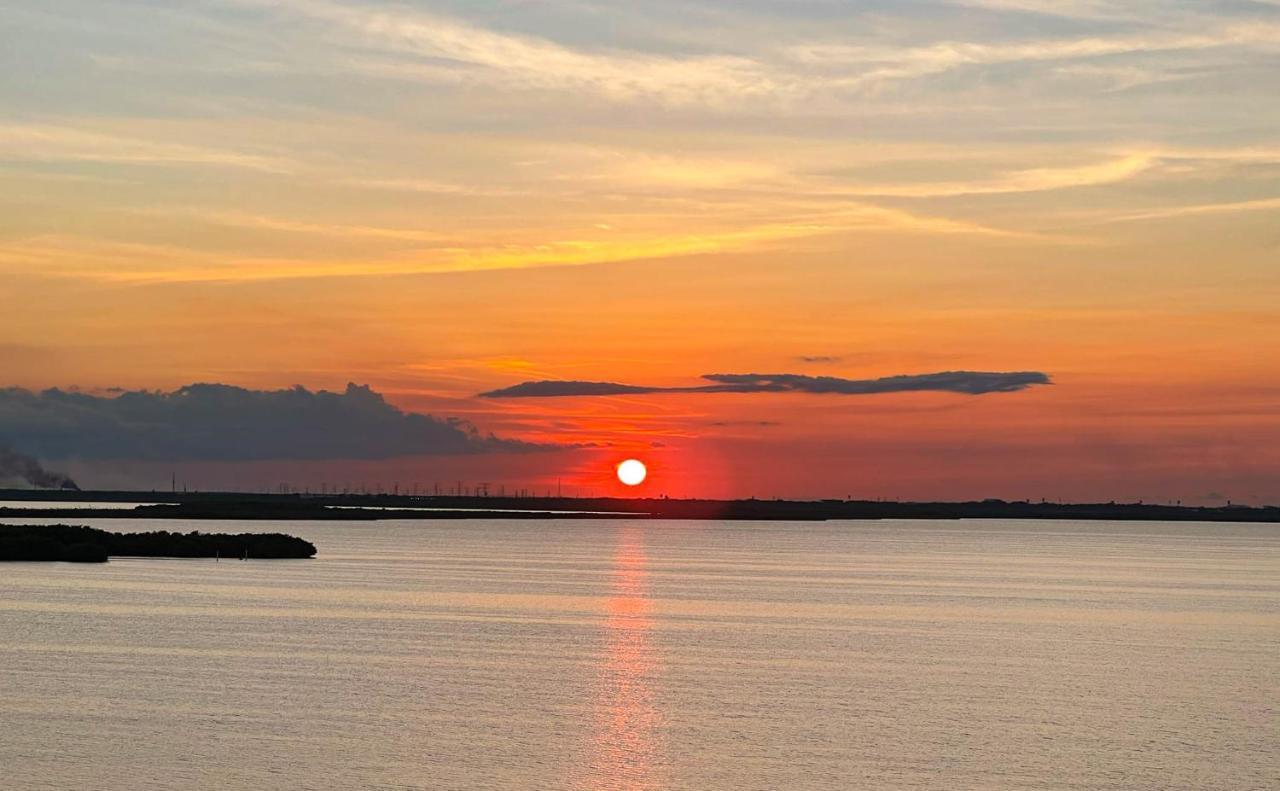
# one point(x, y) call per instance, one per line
point(78, 544)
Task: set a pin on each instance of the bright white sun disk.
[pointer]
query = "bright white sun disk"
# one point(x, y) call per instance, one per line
point(632, 472)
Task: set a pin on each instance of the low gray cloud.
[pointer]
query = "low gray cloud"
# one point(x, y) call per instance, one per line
point(226, 423)
point(966, 382)
point(551, 389)
point(819, 358)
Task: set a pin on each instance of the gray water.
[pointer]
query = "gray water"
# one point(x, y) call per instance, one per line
point(655, 655)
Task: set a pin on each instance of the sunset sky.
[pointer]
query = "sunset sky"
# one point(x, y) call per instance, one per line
point(442, 199)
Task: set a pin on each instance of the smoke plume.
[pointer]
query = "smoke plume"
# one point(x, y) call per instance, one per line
point(19, 465)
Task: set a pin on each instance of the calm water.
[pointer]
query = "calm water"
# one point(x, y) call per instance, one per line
point(629, 655)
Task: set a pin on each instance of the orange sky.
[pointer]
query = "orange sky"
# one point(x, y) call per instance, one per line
point(438, 200)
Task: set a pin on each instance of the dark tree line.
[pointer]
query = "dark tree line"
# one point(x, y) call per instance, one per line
point(89, 545)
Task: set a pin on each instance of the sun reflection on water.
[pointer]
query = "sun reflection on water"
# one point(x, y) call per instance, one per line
point(626, 750)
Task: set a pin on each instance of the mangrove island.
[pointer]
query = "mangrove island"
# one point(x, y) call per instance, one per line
point(79, 544)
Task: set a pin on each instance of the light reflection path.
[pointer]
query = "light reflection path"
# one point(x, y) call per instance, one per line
point(626, 746)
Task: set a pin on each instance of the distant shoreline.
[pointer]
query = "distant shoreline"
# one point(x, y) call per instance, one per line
point(249, 506)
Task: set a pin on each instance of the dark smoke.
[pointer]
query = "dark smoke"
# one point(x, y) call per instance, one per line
point(19, 465)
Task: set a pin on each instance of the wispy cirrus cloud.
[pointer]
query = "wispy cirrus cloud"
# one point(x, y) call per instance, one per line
point(966, 382)
point(427, 253)
point(422, 192)
point(436, 187)
point(435, 47)
point(240, 219)
point(1030, 180)
point(51, 142)
point(1226, 207)
point(455, 50)
point(1069, 9)
point(851, 65)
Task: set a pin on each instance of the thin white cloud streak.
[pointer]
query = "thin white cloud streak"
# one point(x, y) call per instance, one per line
point(251, 221)
point(433, 187)
point(35, 142)
point(1032, 180)
point(691, 175)
point(1242, 155)
point(882, 64)
point(1263, 204)
point(1120, 77)
point(112, 262)
point(450, 50)
point(1068, 9)
point(1124, 167)
point(539, 64)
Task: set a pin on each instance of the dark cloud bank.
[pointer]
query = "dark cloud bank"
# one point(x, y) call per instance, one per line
point(966, 382)
point(225, 423)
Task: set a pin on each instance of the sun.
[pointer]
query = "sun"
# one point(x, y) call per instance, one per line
point(632, 472)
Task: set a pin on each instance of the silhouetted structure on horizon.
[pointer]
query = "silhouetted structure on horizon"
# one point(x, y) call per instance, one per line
point(239, 505)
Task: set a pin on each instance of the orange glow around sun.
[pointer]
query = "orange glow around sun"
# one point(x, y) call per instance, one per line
point(632, 472)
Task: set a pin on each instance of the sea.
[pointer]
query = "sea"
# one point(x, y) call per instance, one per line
point(649, 655)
